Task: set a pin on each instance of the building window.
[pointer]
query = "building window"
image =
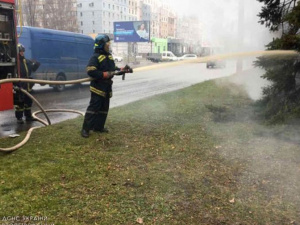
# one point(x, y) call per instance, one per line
point(91, 4)
point(94, 22)
point(79, 5)
point(94, 31)
point(80, 13)
point(81, 23)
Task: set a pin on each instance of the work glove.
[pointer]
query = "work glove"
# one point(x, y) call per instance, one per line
point(108, 74)
point(35, 65)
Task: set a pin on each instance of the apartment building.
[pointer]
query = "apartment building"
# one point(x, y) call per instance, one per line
point(155, 17)
point(97, 16)
point(133, 9)
point(189, 29)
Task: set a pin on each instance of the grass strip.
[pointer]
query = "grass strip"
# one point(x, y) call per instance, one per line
point(193, 156)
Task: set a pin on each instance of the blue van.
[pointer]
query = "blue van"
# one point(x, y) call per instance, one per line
point(63, 55)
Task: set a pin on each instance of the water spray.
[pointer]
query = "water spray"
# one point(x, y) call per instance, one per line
point(198, 60)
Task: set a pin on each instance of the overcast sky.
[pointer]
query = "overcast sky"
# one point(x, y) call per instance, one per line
point(220, 20)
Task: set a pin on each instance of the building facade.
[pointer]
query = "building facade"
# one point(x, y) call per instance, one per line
point(189, 30)
point(92, 17)
point(98, 16)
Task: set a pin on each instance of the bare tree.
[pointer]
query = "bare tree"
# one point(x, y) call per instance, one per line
point(60, 15)
point(30, 12)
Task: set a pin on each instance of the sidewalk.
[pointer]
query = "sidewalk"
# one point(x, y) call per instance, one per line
point(8, 122)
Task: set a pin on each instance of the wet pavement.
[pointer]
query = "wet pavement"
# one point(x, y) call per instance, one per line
point(137, 86)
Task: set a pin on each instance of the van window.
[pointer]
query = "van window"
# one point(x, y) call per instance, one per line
point(56, 49)
point(168, 54)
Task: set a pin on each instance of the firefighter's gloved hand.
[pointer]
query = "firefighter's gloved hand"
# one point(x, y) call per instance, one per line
point(108, 74)
point(35, 65)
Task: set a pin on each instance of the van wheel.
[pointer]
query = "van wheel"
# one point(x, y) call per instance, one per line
point(60, 87)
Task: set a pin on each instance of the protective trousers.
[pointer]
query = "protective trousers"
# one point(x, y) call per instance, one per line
point(96, 113)
point(22, 105)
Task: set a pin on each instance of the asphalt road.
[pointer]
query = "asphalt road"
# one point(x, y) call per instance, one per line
point(137, 86)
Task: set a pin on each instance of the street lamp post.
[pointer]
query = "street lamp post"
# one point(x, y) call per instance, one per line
point(239, 64)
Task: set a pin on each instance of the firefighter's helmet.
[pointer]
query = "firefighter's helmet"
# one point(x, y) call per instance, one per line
point(21, 47)
point(101, 40)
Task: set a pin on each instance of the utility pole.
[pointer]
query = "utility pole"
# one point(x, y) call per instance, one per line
point(240, 35)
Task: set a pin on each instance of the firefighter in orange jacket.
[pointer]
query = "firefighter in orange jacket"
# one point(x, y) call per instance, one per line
point(102, 68)
point(21, 101)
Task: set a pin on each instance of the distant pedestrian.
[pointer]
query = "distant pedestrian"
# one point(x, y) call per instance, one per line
point(102, 68)
point(21, 101)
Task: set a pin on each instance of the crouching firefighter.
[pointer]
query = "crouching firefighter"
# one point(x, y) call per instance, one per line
point(102, 68)
point(21, 101)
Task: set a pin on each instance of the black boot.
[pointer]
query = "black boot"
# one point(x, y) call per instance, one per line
point(104, 130)
point(30, 119)
point(20, 121)
point(85, 133)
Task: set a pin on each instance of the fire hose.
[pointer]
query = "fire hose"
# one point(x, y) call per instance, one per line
point(42, 110)
point(48, 122)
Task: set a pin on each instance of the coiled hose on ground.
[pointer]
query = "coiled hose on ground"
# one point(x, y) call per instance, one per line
point(46, 123)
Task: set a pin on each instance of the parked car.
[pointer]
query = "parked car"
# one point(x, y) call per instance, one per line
point(188, 56)
point(169, 56)
point(117, 58)
point(154, 57)
point(216, 64)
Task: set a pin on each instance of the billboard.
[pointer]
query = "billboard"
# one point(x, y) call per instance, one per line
point(132, 31)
